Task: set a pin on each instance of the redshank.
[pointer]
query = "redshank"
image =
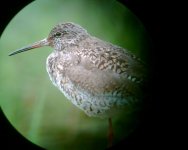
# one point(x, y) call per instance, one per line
point(96, 76)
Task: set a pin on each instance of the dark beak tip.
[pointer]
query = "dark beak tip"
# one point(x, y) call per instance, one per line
point(10, 54)
point(38, 44)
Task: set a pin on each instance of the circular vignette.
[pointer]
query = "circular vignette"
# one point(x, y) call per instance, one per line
point(32, 131)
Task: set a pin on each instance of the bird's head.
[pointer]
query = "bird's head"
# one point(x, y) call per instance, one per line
point(61, 36)
point(65, 35)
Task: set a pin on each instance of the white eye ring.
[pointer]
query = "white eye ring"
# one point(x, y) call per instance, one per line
point(64, 32)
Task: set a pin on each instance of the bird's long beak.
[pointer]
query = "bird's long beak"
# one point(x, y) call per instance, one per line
point(38, 44)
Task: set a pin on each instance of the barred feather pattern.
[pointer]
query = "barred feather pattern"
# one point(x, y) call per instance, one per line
point(97, 76)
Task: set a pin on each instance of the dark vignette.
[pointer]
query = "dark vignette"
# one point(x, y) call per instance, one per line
point(149, 133)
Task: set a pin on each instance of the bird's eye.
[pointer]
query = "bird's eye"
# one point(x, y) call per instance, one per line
point(57, 34)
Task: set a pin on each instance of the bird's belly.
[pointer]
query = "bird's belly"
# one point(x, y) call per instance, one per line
point(103, 105)
point(92, 105)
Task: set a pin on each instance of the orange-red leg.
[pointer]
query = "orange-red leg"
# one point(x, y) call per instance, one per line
point(110, 133)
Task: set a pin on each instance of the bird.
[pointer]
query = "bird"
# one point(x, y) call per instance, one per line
point(98, 77)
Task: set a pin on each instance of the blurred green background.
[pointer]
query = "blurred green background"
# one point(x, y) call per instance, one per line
point(36, 108)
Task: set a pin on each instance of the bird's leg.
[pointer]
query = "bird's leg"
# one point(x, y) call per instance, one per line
point(110, 133)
